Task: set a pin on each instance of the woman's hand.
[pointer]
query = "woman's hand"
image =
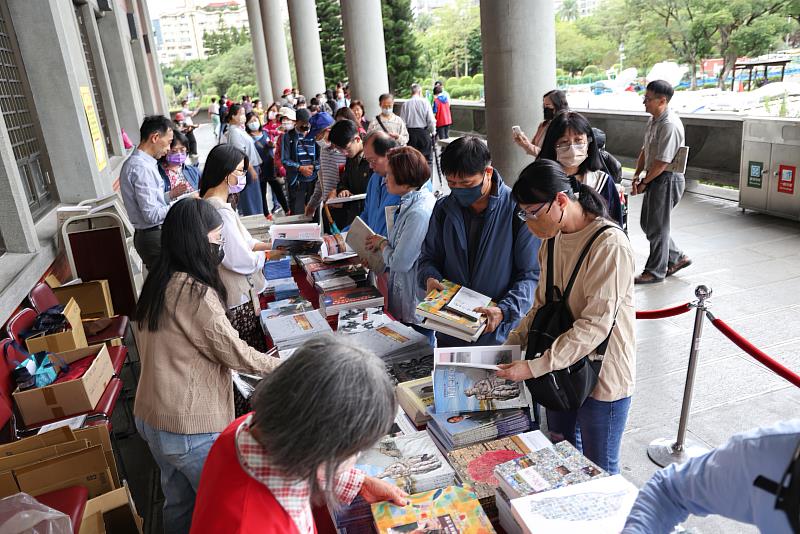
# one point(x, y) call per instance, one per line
point(431, 284)
point(374, 242)
point(376, 490)
point(521, 139)
point(515, 371)
point(494, 316)
point(345, 193)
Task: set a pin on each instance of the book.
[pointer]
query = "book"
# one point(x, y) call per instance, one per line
point(334, 248)
point(361, 319)
point(412, 462)
point(345, 299)
point(414, 397)
point(283, 308)
point(412, 369)
point(598, 506)
point(276, 269)
point(464, 379)
point(355, 272)
point(434, 310)
point(297, 246)
point(296, 232)
point(546, 469)
point(343, 200)
point(291, 331)
point(457, 430)
point(292, 219)
point(454, 332)
point(452, 509)
point(332, 284)
point(465, 301)
point(356, 239)
point(394, 342)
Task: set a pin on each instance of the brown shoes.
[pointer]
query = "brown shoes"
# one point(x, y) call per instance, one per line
point(682, 262)
point(647, 278)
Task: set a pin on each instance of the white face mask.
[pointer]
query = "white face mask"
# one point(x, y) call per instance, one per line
point(287, 126)
point(386, 111)
point(252, 126)
point(573, 155)
point(271, 115)
point(322, 100)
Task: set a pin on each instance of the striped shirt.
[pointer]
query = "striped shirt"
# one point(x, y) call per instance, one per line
point(331, 162)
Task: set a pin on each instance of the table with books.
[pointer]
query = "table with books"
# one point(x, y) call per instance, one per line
point(462, 444)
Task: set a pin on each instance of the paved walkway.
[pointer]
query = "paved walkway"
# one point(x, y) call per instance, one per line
point(752, 263)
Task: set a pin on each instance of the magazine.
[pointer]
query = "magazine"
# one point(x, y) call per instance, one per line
point(334, 248)
point(434, 310)
point(356, 238)
point(465, 301)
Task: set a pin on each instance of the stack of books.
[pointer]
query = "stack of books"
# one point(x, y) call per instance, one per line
point(338, 277)
point(337, 300)
point(335, 248)
point(282, 308)
point(277, 269)
point(282, 288)
point(394, 342)
point(451, 311)
point(291, 331)
point(360, 320)
point(412, 369)
point(454, 430)
point(415, 397)
point(314, 264)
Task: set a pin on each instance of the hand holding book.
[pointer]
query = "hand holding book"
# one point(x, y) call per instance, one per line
point(494, 316)
point(518, 371)
point(376, 490)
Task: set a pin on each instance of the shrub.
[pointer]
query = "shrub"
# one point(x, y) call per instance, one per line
point(591, 70)
point(452, 82)
point(478, 79)
point(560, 73)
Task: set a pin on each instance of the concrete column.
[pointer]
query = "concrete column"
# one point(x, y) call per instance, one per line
point(116, 40)
point(306, 46)
point(153, 66)
point(60, 70)
point(365, 49)
point(518, 40)
point(140, 61)
point(103, 79)
point(277, 53)
point(19, 232)
point(259, 52)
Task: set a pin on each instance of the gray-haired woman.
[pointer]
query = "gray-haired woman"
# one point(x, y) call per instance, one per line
point(312, 417)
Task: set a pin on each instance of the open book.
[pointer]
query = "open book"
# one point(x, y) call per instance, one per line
point(356, 239)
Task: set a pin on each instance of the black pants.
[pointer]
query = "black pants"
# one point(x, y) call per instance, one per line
point(148, 245)
point(420, 139)
point(443, 132)
point(299, 195)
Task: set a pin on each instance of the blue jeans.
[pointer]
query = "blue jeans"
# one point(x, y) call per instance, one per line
point(180, 457)
point(595, 429)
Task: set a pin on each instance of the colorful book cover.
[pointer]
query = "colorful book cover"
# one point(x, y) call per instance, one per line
point(434, 303)
point(448, 510)
point(475, 464)
point(361, 319)
point(412, 462)
point(349, 295)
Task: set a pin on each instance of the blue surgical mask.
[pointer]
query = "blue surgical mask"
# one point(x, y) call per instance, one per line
point(467, 196)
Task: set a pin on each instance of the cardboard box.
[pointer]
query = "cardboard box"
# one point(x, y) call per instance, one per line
point(53, 437)
point(68, 398)
point(73, 338)
point(86, 468)
point(93, 298)
point(9, 463)
point(113, 512)
point(98, 435)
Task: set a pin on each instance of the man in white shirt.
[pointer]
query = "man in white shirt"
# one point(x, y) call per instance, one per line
point(388, 122)
point(420, 122)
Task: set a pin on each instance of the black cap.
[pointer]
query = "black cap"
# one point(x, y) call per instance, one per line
point(303, 114)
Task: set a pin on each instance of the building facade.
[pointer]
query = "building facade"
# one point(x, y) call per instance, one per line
point(181, 32)
point(73, 76)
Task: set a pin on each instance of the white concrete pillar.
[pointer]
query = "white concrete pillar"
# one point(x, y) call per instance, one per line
point(259, 52)
point(140, 60)
point(277, 53)
point(153, 66)
point(307, 50)
point(116, 38)
point(365, 49)
point(16, 223)
point(60, 70)
point(519, 66)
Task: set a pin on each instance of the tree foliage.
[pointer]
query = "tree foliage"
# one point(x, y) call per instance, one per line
point(402, 49)
point(329, 14)
point(450, 40)
point(225, 38)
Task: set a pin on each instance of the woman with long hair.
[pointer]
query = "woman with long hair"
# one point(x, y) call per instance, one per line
point(188, 348)
point(566, 214)
point(251, 201)
point(553, 103)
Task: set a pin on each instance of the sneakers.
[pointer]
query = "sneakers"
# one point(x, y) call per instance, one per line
point(682, 262)
point(647, 278)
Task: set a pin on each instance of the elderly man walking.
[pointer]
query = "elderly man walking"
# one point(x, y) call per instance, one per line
point(420, 122)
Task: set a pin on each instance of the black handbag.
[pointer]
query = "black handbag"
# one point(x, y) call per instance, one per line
point(563, 389)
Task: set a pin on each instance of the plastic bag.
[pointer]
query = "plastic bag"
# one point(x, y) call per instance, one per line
point(22, 514)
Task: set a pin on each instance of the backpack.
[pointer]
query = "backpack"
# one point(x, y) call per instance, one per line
point(564, 389)
point(611, 165)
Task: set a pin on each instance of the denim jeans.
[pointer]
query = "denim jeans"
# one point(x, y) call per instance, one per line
point(595, 429)
point(180, 457)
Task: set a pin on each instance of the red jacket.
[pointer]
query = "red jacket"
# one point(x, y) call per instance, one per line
point(441, 108)
point(229, 501)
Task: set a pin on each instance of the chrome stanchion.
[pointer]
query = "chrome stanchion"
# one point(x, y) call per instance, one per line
point(664, 451)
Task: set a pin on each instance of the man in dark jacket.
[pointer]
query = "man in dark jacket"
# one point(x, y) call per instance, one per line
point(300, 158)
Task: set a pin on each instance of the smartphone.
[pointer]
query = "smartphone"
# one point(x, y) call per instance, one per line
point(517, 131)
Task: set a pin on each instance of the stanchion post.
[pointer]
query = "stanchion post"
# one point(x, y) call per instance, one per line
point(664, 451)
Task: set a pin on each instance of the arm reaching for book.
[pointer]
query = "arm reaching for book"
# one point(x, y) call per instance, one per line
point(376, 490)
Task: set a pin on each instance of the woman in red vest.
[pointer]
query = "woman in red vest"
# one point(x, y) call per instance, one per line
point(313, 415)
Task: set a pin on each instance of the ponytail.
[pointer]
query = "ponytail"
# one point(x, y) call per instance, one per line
point(589, 199)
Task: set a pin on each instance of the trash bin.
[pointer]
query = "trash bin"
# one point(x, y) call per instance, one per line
point(770, 165)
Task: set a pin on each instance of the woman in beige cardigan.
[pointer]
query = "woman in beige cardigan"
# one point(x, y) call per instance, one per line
point(560, 208)
point(187, 348)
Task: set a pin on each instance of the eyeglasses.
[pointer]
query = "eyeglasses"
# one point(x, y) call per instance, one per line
point(533, 215)
point(343, 150)
point(566, 146)
point(238, 172)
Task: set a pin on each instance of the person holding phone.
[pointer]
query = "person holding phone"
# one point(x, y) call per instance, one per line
point(553, 103)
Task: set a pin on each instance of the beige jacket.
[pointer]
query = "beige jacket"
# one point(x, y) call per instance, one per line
point(604, 286)
point(185, 385)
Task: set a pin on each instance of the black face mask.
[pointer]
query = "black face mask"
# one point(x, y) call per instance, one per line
point(549, 113)
point(218, 252)
point(787, 491)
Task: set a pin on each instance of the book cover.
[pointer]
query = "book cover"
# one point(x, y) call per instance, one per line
point(297, 246)
point(334, 248)
point(356, 272)
point(598, 506)
point(303, 231)
point(464, 379)
point(475, 464)
point(297, 326)
point(433, 307)
point(390, 339)
point(340, 298)
point(415, 397)
point(412, 462)
point(413, 368)
point(357, 237)
point(465, 301)
point(361, 319)
point(448, 510)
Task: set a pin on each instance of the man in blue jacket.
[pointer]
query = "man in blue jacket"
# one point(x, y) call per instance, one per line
point(473, 240)
point(376, 147)
point(300, 157)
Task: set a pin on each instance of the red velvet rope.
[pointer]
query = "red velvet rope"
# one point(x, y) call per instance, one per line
point(666, 312)
point(773, 365)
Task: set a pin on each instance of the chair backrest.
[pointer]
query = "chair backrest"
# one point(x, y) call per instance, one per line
point(42, 297)
point(21, 322)
point(7, 385)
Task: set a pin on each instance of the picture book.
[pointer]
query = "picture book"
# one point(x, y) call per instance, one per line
point(361, 319)
point(464, 379)
point(415, 397)
point(412, 462)
point(348, 298)
point(598, 506)
point(475, 464)
point(465, 301)
point(334, 248)
point(448, 510)
point(455, 430)
point(434, 309)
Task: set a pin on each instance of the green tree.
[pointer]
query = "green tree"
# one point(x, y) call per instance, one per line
point(224, 38)
point(402, 49)
point(449, 43)
point(568, 11)
point(233, 68)
point(329, 14)
point(575, 50)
